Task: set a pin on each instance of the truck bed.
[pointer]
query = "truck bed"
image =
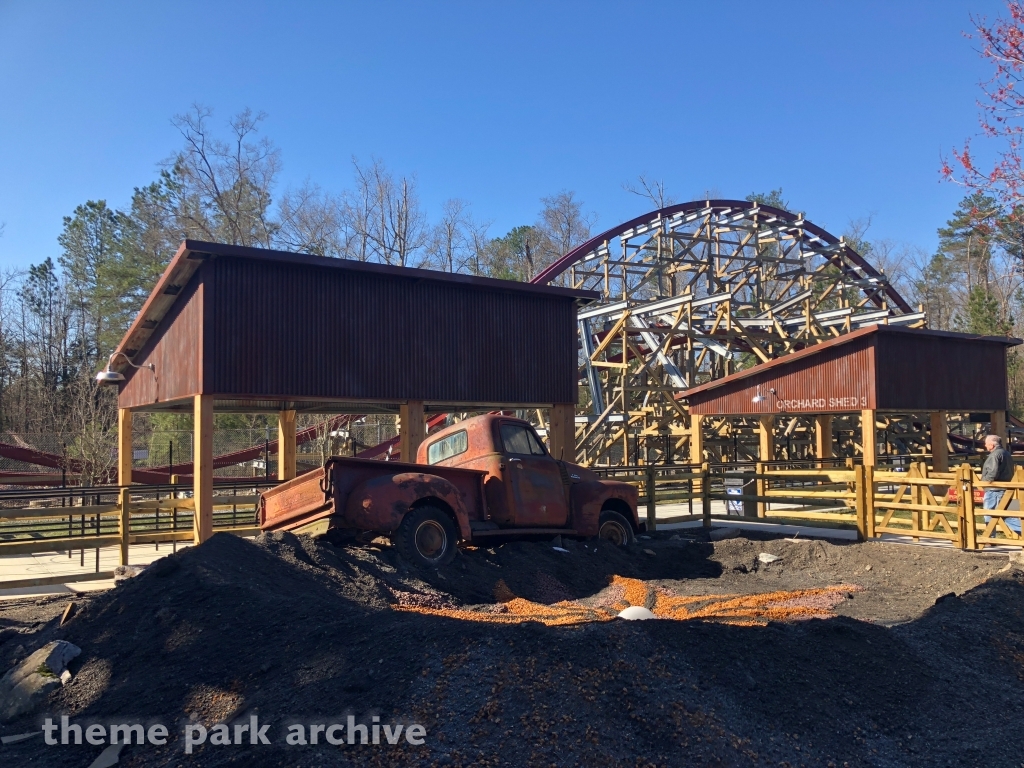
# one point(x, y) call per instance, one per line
point(323, 493)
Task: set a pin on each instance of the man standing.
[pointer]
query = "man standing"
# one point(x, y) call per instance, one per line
point(998, 468)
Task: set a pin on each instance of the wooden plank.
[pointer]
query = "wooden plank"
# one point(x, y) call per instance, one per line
point(797, 515)
point(286, 445)
point(125, 449)
point(57, 544)
point(412, 429)
point(917, 534)
point(202, 520)
point(810, 494)
point(939, 441)
point(562, 431)
point(823, 436)
point(869, 438)
point(48, 581)
point(911, 507)
point(33, 513)
point(124, 523)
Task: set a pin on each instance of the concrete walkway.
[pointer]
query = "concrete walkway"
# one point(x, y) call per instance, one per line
point(50, 564)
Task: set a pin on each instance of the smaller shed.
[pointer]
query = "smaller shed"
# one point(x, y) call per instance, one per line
point(878, 368)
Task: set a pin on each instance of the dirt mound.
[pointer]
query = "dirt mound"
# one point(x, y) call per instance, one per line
point(292, 630)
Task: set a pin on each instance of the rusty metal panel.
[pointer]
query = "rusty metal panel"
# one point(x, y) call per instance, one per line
point(933, 372)
point(174, 347)
point(838, 379)
point(277, 330)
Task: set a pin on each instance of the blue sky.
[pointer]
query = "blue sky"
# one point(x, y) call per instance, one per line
point(848, 106)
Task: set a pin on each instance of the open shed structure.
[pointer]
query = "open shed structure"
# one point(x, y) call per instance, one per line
point(236, 329)
point(878, 369)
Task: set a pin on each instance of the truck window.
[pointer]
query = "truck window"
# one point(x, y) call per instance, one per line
point(450, 446)
point(520, 439)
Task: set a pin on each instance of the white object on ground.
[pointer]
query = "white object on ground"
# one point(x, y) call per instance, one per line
point(559, 549)
point(636, 613)
point(766, 558)
point(18, 737)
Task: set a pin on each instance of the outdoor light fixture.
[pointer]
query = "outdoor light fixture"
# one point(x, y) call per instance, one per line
point(107, 376)
point(759, 398)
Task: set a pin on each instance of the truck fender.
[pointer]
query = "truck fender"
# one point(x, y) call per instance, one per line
point(380, 503)
point(590, 497)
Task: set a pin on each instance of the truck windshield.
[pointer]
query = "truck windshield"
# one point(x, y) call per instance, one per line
point(450, 446)
point(520, 439)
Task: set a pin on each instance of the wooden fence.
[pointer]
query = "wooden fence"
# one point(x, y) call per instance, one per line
point(76, 520)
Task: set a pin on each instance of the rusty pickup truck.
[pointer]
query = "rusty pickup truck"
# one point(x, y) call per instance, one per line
point(478, 481)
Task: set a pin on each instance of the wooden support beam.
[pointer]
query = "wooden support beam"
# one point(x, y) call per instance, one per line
point(823, 437)
point(125, 451)
point(203, 468)
point(940, 442)
point(285, 445)
point(412, 428)
point(697, 448)
point(869, 438)
point(697, 439)
point(766, 435)
point(998, 420)
point(562, 431)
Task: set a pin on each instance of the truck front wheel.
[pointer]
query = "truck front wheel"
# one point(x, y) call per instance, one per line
point(614, 528)
point(427, 536)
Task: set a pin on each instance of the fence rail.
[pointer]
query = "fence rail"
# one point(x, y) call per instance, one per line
point(74, 520)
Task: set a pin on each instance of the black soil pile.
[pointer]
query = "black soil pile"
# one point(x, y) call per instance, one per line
point(295, 631)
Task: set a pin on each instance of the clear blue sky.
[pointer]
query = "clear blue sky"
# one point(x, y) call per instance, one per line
point(847, 106)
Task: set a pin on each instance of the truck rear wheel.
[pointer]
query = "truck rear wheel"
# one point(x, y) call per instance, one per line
point(614, 528)
point(427, 536)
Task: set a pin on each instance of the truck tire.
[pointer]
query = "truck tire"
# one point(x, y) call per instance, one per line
point(427, 536)
point(615, 528)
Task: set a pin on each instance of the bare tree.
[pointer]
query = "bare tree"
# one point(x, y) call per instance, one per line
point(650, 189)
point(221, 190)
point(562, 226)
point(384, 217)
point(450, 245)
point(311, 221)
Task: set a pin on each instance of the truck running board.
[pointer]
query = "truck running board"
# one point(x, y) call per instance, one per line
point(524, 532)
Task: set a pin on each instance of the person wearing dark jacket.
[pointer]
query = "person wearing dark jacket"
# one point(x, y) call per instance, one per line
point(998, 468)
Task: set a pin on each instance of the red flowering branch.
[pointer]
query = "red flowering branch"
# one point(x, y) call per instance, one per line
point(1002, 113)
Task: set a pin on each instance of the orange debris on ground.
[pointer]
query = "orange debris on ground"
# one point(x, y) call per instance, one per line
point(622, 593)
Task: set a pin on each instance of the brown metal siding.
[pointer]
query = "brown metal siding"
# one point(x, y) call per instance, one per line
point(279, 330)
point(934, 373)
point(175, 350)
point(838, 379)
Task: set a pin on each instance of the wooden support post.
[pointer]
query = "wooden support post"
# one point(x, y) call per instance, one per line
point(766, 433)
point(869, 438)
point(869, 500)
point(413, 429)
point(940, 442)
point(697, 448)
point(285, 445)
point(967, 499)
point(860, 483)
point(823, 437)
point(705, 493)
point(124, 522)
point(652, 508)
point(998, 420)
point(562, 432)
point(202, 478)
point(760, 488)
point(125, 451)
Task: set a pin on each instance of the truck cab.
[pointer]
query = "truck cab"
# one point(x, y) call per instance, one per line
point(525, 487)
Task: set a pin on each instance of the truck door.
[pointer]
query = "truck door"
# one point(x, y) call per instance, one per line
point(534, 481)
